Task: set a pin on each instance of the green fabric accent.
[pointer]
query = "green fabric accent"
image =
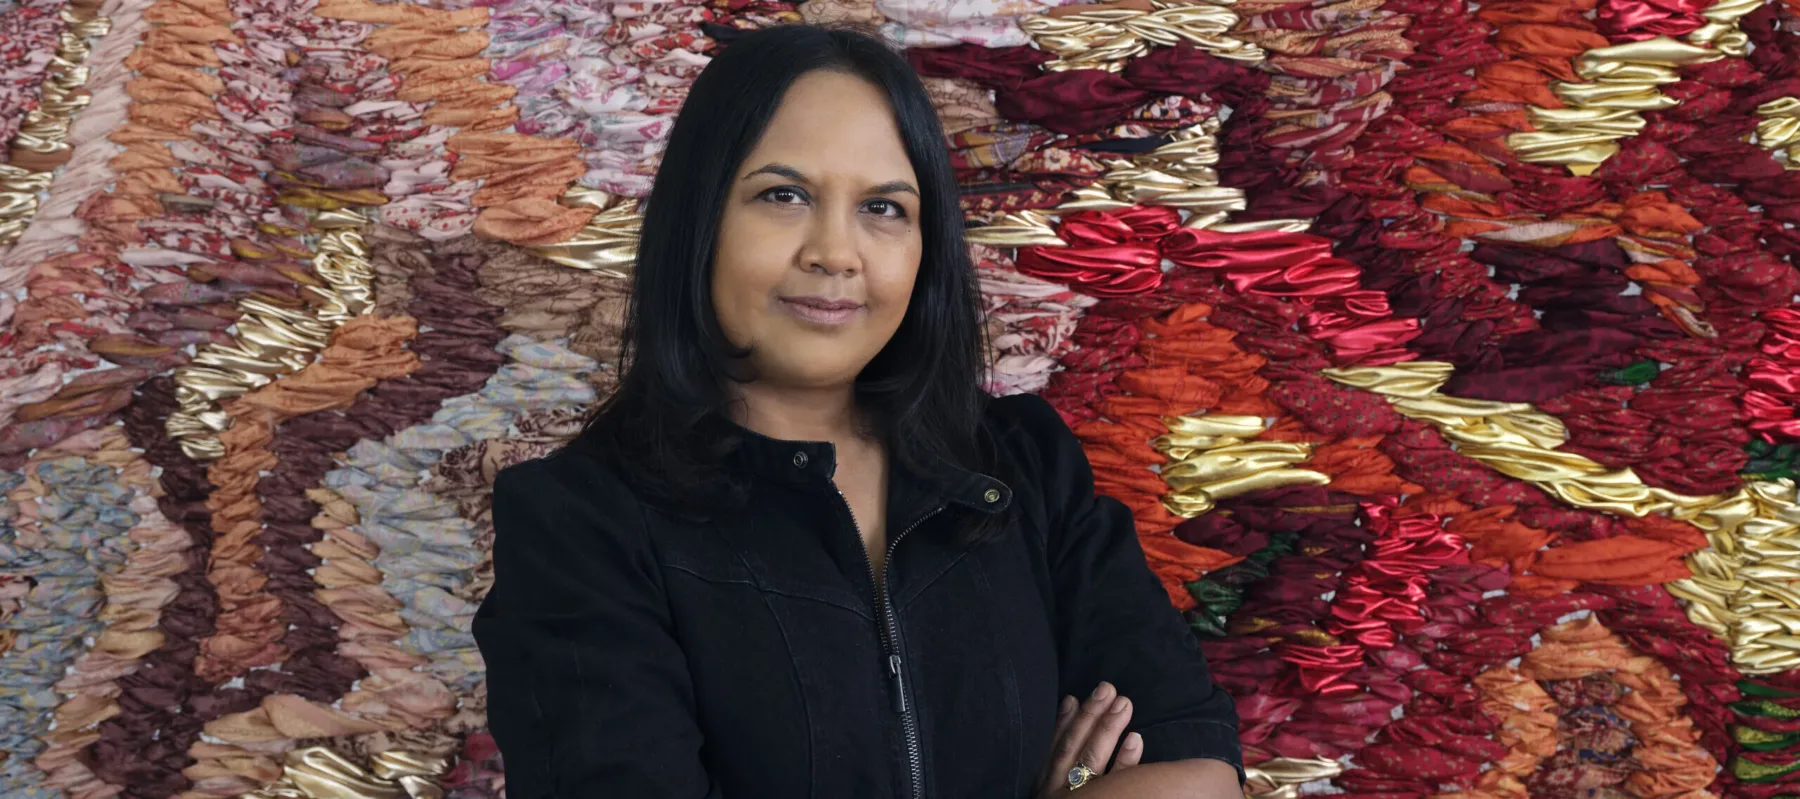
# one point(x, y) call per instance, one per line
point(1205, 625)
point(1770, 462)
point(1634, 375)
point(1280, 545)
point(1221, 593)
point(1750, 771)
point(1212, 595)
point(1762, 740)
point(1768, 474)
point(1765, 708)
point(1226, 607)
point(1764, 690)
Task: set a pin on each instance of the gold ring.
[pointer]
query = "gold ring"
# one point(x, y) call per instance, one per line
point(1080, 774)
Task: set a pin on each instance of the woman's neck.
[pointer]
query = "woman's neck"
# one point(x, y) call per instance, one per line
point(798, 414)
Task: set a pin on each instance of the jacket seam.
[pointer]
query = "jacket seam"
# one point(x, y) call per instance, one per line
point(714, 580)
point(1207, 722)
point(1233, 758)
point(764, 589)
point(1185, 722)
point(574, 655)
point(1017, 706)
point(826, 602)
point(913, 593)
point(763, 593)
point(812, 759)
point(812, 776)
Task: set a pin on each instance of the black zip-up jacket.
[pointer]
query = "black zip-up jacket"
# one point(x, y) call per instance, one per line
point(631, 654)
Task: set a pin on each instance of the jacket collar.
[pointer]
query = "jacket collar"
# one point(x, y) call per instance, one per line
point(816, 462)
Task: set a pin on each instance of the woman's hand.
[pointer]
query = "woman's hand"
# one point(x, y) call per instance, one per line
point(1087, 733)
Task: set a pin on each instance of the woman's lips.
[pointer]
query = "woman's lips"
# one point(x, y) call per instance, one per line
point(821, 310)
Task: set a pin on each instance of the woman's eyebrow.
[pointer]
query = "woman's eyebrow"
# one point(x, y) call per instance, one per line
point(895, 187)
point(783, 170)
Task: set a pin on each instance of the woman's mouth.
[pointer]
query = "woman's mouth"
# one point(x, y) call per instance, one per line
point(821, 310)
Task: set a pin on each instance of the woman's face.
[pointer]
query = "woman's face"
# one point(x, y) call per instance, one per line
point(819, 244)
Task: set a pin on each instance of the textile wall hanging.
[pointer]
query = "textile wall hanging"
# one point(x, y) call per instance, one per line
point(1448, 355)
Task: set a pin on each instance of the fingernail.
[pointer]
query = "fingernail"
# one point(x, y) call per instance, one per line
point(1134, 741)
point(1066, 706)
point(1120, 704)
point(1102, 690)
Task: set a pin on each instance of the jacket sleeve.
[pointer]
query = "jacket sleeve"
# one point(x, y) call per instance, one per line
point(588, 690)
point(1114, 621)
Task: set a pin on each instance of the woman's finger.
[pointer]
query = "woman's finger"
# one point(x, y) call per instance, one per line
point(1065, 713)
point(1103, 737)
point(1072, 744)
point(1131, 750)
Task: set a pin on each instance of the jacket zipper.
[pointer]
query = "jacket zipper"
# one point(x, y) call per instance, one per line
point(890, 644)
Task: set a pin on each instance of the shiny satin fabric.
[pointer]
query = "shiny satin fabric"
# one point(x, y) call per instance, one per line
point(19, 190)
point(1778, 128)
point(42, 142)
point(1738, 587)
point(1720, 31)
point(274, 337)
point(1774, 379)
point(607, 243)
point(1621, 81)
point(1177, 174)
point(1212, 458)
point(1378, 598)
point(316, 772)
point(1105, 36)
point(1281, 777)
point(1017, 229)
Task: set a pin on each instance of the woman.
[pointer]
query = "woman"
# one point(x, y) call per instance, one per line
point(799, 553)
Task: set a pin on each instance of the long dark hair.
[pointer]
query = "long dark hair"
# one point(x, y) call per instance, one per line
point(922, 393)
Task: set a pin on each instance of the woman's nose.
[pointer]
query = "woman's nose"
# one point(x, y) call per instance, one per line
point(831, 249)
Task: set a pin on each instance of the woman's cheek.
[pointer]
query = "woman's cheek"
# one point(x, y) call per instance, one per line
point(734, 302)
point(895, 287)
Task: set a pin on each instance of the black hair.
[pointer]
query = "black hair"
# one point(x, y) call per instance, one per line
point(921, 394)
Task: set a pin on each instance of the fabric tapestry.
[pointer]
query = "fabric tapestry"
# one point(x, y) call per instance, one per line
point(1447, 354)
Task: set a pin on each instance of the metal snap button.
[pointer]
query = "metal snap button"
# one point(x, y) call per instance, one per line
point(992, 495)
point(800, 460)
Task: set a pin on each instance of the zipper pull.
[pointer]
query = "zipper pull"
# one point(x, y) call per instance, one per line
point(897, 683)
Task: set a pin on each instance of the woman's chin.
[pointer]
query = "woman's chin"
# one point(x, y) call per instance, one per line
point(826, 371)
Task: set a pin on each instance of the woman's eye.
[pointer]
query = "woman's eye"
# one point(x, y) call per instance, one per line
point(784, 196)
point(886, 208)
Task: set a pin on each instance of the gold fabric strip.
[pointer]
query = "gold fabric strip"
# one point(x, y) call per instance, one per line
point(1213, 457)
point(1619, 82)
point(1721, 29)
point(317, 772)
point(1106, 38)
point(1741, 588)
point(1778, 129)
point(1178, 174)
point(42, 143)
point(1281, 777)
point(274, 337)
point(1018, 229)
point(607, 244)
